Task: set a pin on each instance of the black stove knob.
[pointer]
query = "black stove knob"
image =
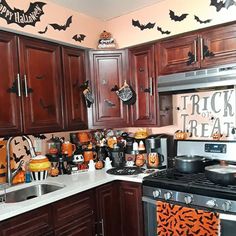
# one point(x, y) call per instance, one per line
point(156, 193)
point(168, 195)
point(188, 199)
point(226, 205)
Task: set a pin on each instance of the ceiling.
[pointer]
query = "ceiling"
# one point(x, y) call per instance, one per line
point(105, 9)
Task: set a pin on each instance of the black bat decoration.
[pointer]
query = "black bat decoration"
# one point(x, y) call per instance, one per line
point(2, 167)
point(202, 21)
point(79, 37)
point(33, 14)
point(44, 31)
point(16, 143)
point(1, 146)
point(136, 23)
point(17, 159)
point(56, 26)
point(177, 18)
point(219, 5)
point(27, 151)
point(40, 136)
point(162, 31)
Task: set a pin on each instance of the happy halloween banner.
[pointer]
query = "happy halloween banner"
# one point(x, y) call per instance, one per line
point(20, 17)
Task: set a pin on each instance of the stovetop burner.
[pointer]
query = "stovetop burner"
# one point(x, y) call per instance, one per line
point(191, 183)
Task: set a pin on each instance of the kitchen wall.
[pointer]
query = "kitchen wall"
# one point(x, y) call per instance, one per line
point(125, 33)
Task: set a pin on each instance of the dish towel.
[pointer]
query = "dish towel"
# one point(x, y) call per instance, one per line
point(175, 220)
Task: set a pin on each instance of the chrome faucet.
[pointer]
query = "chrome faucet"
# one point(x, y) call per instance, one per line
point(11, 174)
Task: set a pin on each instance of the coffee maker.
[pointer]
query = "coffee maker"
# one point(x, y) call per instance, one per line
point(159, 148)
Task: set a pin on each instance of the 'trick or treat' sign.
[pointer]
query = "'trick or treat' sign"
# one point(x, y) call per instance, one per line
point(205, 113)
point(20, 17)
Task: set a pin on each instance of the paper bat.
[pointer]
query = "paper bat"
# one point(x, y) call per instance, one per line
point(17, 159)
point(219, 5)
point(56, 26)
point(136, 23)
point(44, 31)
point(40, 136)
point(177, 18)
point(27, 151)
point(162, 31)
point(202, 21)
point(79, 37)
point(34, 8)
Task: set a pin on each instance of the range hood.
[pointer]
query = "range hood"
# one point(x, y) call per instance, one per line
point(207, 78)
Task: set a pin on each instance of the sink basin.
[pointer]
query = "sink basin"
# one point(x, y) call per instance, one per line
point(30, 192)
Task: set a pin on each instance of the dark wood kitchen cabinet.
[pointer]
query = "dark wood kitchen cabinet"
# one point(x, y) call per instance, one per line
point(36, 222)
point(107, 70)
point(30, 85)
point(74, 77)
point(131, 209)
point(10, 113)
point(143, 80)
point(108, 210)
point(75, 215)
point(202, 49)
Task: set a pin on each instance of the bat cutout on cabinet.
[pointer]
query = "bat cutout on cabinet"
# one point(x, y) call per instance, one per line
point(136, 23)
point(175, 17)
point(56, 26)
point(43, 31)
point(163, 31)
point(79, 37)
point(191, 58)
point(40, 136)
point(219, 5)
point(202, 21)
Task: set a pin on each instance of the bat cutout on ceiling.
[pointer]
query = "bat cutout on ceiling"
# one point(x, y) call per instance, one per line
point(56, 26)
point(136, 23)
point(176, 17)
point(40, 136)
point(44, 31)
point(163, 31)
point(202, 21)
point(16, 158)
point(21, 17)
point(219, 5)
point(79, 37)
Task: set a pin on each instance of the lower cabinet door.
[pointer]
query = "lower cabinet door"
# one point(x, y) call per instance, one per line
point(83, 226)
point(33, 223)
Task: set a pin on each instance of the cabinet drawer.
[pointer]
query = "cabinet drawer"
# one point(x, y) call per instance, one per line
point(71, 208)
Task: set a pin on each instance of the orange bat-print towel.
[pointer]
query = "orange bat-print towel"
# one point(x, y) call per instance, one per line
point(174, 220)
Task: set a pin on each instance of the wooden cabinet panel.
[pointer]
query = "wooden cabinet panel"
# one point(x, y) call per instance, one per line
point(74, 77)
point(131, 209)
point(142, 78)
point(40, 65)
point(10, 103)
point(107, 70)
point(37, 222)
point(220, 41)
point(173, 54)
point(108, 209)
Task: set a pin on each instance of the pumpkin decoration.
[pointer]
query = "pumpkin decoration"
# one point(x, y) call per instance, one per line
point(140, 160)
point(99, 165)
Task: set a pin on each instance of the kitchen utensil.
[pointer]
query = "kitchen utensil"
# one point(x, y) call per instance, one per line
point(117, 156)
point(221, 174)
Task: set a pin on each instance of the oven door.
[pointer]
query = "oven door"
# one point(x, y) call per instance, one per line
point(227, 221)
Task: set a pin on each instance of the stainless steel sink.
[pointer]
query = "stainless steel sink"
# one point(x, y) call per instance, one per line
point(30, 192)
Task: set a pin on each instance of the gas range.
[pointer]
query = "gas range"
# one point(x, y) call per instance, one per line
point(194, 190)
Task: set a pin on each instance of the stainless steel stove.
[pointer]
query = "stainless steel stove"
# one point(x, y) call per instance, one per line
point(193, 190)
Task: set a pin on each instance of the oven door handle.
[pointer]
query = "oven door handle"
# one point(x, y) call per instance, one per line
point(149, 200)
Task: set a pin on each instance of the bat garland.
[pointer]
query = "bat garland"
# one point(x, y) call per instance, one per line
point(219, 5)
point(136, 23)
point(43, 31)
point(175, 17)
point(162, 31)
point(202, 21)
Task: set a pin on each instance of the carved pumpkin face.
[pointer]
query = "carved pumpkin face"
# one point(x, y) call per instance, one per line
point(153, 160)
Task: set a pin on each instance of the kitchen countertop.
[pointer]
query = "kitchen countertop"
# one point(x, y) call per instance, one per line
point(74, 184)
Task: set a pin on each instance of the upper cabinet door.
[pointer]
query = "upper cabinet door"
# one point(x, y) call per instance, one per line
point(143, 81)
point(10, 102)
point(178, 54)
point(74, 77)
point(40, 67)
point(108, 69)
point(218, 46)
